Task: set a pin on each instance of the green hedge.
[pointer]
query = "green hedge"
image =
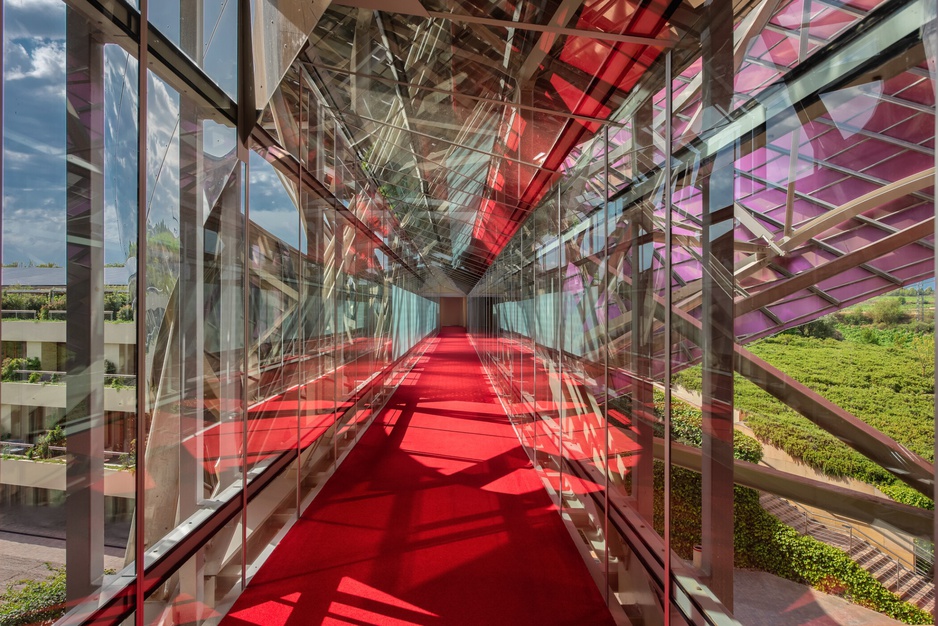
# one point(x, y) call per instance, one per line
point(765, 543)
point(686, 428)
point(34, 602)
point(41, 302)
point(880, 383)
point(10, 367)
point(760, 540)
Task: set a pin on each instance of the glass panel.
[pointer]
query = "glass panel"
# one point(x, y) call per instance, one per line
point(206, 31)
point(194, 307)
point(193, 595)
point(67, 422)
point(273, 355)
point(317, 395)
point(219, 413)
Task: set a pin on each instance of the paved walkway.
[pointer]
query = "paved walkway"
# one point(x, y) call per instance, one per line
point(766, 600)
point(25, 556)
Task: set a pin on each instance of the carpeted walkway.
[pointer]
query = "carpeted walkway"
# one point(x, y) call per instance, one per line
point(435, 518)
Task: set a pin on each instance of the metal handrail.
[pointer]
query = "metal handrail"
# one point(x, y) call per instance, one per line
point(21, 448)
point(852, 530)
point(828, 521)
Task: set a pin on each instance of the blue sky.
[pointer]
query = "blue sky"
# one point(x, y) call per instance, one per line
point(34, 128)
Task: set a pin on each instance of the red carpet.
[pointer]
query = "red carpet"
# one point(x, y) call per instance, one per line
point(436, 517)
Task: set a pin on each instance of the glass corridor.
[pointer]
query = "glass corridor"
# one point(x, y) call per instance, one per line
point(695, 241)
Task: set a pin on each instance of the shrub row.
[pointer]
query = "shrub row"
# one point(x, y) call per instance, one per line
point(760, 540)
point(34, 602)
point(889, 386)
point(42, 448)
point(10, 367)
point(118, 302)
point(765, 543)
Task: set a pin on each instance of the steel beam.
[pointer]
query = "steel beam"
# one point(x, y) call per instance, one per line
point(867, 508)
point(84, 418)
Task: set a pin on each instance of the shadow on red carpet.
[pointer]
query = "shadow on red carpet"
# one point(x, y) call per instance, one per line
point(436, 517)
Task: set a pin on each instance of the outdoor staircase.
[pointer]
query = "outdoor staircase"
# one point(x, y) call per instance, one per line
point(905, 583)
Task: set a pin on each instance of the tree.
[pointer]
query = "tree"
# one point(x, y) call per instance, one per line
point(923, 348)
point(888, 311)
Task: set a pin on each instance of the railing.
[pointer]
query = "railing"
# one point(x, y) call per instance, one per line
point(20, 449)
point(55, 376)
point(52, 315)
point(120, 380)
point(36, 376)
point(901, 577)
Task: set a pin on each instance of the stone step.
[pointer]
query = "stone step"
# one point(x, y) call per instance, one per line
point(909, 586)
point(868, 557)
point(880, 566)
point(912, 584)
point(923, 599)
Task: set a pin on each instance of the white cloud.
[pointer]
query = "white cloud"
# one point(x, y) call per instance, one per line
point(34, 18)
point(35, 5)
point(23, 241)
point(45, 62)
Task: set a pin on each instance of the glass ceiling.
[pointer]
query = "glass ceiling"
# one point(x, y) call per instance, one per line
point(465, 114)
point(463, 121)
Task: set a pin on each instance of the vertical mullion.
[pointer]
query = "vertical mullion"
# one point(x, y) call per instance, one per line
point(2, 193)
point(190, 295)
point(84, 423)
point(605, 265)
point(336, 259)
point(717, 336)
point(519, 310)
point(140, 475)
point(302, 286)
point(245, 106)
point(535, 412)
point(930, 36)
point(246, 353)
point(668, 302)
point(560, 341)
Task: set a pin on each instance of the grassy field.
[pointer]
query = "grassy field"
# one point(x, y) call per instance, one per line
point(883, 374)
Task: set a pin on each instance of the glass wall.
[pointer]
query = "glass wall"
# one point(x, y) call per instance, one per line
point(726, 303)
point(196, 323)
point(713, 326)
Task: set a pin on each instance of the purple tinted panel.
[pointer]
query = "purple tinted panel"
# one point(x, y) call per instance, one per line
point(807, 260)
point(889, 114)
point(861, 289)
point(790, 17)
point(896, 262)
point(844, 190)
point(764, 201)
point(752, 77)
point(752, 323)
point(688, 272)
point(911, 87)
point(829, 23)
point(836, 283)
point(868, 152)
point(803, 211)
point(925, 268)
point(863, 5)
point(799, 308)
point(909, 216)
point(760, 279)
point(902, 165)
point(860, 237)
